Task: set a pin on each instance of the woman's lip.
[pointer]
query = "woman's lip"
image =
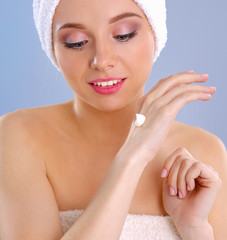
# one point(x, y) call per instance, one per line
point(108, 89)
point(106, 79)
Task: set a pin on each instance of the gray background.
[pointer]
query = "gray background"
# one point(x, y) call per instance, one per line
point(197, 39)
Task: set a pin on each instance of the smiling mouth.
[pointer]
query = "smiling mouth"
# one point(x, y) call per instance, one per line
point(107, 83)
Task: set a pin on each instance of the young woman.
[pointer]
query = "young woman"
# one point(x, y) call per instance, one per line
point(85, 169)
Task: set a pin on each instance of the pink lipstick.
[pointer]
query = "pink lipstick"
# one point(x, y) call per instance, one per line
point(108, 85)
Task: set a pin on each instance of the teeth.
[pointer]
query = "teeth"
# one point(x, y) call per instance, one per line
point(104, 84)
point(110, 83)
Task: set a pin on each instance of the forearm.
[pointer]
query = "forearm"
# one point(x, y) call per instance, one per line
point(202, 233)
point(106, 213)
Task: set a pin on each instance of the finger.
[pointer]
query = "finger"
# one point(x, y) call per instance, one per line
point(182, 89)
point(165, 84)
point(186, 163)
point(175, 105)
point(173, 175)
point(170, 160)
point(204, 175)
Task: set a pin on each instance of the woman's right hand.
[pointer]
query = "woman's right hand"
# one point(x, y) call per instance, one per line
point(160, 107)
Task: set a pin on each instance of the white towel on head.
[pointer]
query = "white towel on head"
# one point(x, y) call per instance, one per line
point(44, 10)
point(155, 11)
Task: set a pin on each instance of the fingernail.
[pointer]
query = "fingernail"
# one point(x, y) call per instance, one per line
point(204, 75)
point(213, 88)
point(188, 187)
point(209, 95)
point(190, 71)
point(180, 194)
point(172, 191)
point(164, 173)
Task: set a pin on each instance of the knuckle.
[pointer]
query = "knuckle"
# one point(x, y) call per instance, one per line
point(181, 150)
point(171, 182)
point(179, 159)
point(165, 112)
point(185, 163)
point(196, 165)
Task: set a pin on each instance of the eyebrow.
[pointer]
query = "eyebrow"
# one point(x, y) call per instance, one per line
point(112, 20)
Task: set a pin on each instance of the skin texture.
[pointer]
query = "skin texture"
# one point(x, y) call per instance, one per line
point(81, 154)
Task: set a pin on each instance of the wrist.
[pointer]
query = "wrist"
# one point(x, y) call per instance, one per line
point(203, 231)
point(132, 158)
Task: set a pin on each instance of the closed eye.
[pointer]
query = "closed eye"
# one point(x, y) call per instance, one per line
point(121, 38)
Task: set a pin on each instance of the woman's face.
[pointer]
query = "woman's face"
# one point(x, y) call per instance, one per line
point(98, 50)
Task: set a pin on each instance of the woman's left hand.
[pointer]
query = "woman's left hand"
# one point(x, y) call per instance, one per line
point(189, 189)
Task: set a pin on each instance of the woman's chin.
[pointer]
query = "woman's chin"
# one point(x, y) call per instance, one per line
point(109, 109)
point(112, 106)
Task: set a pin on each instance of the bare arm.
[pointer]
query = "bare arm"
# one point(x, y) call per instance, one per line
point(106, 213)
point(28, 209)
point(27, 202)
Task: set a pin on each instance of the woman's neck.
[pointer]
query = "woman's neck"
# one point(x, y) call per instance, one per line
point(104, 127)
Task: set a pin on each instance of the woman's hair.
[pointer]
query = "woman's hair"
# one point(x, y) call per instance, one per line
point(44, 11)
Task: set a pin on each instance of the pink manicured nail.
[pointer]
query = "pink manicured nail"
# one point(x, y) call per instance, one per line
point(208, 94)
point(213, 88)
point(190, 71)
point(204, 75)
point(180, 194)
point(172, 191)
point(188, 187)
point(164, 173)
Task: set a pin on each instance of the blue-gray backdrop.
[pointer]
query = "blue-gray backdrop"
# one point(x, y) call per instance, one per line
point(197, 39)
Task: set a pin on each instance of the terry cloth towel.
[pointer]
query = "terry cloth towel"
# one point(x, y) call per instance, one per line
point(136, 226)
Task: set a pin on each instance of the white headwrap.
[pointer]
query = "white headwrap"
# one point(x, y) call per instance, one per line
point(44, 10)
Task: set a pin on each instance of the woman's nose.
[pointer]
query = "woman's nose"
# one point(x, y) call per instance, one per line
point(103, 58)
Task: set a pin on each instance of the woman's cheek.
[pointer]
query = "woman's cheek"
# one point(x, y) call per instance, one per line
point(68, 62)
point(146, 56)
point(65, 58)
point(141, 58)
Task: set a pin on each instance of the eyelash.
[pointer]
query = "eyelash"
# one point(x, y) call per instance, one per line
point(75, 45)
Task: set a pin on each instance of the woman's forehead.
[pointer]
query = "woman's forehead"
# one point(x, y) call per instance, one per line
point(93, 10)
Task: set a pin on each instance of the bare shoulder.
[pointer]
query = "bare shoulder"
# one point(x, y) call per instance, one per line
point(32, 121)
point(203, 145)
point(21, 126)
point(24, 186)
